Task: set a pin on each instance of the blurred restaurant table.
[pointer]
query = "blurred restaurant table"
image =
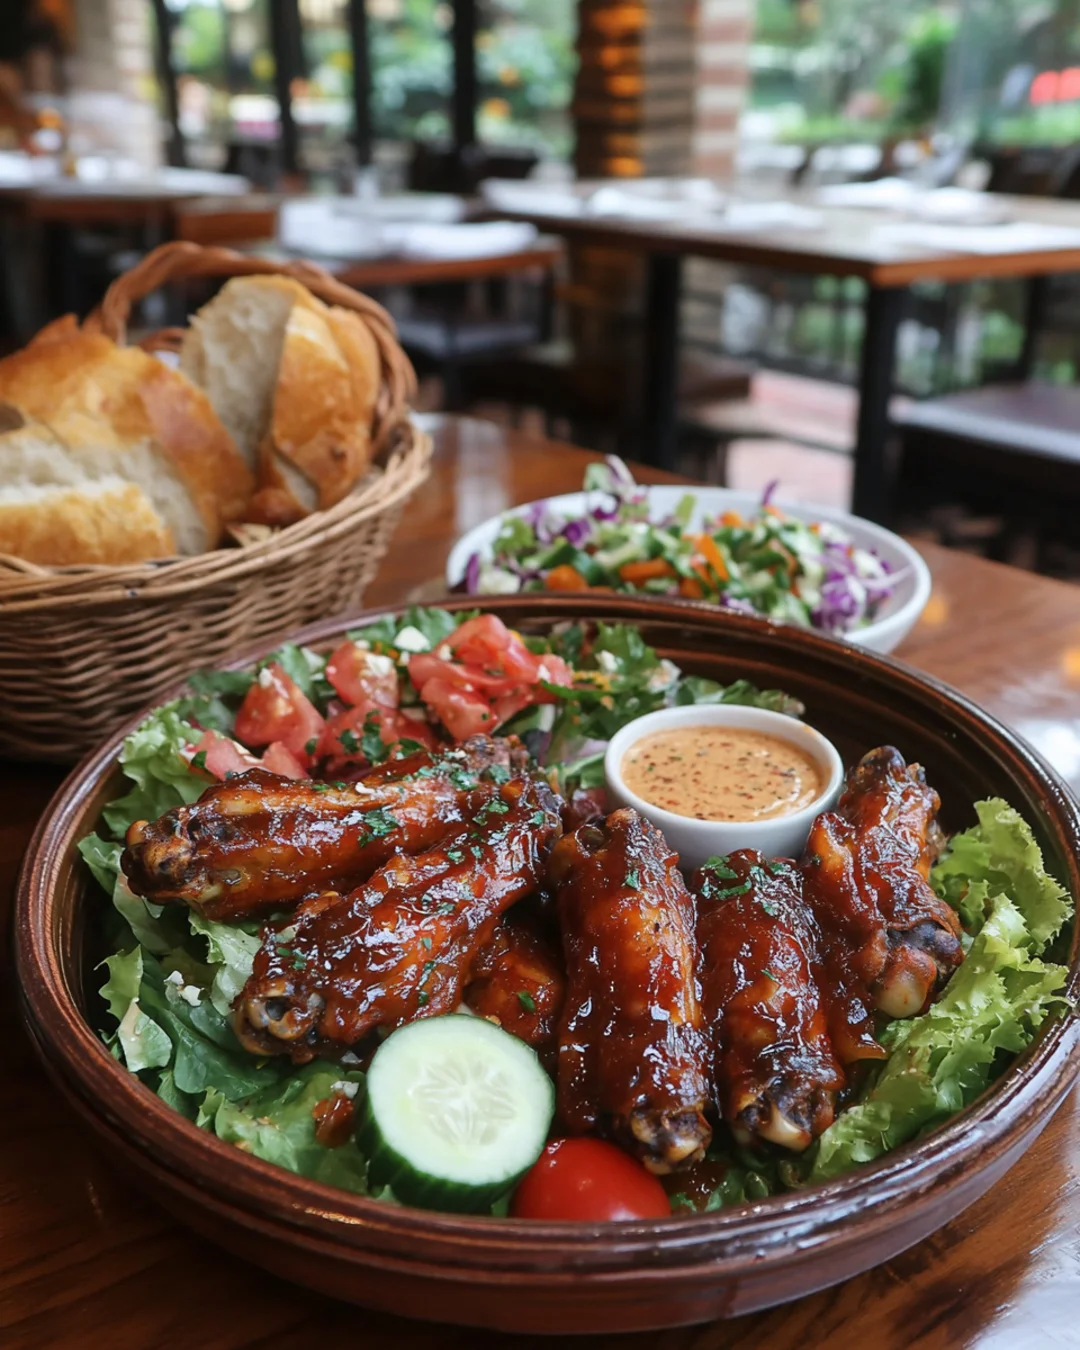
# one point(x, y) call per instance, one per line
point(890, 234)
point(87, 1261)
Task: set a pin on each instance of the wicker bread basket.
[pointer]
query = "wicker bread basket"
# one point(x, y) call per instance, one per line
point(82, 648)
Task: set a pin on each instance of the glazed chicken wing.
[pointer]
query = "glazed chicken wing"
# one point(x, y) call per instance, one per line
point(257, 842)
point(400, 947)
point(518, 981)
point(775, 1074)
point(631, 1042)
point(889, 943)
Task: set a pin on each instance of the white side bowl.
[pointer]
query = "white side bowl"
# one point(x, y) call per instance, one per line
point(896, 617)
point(696, 841)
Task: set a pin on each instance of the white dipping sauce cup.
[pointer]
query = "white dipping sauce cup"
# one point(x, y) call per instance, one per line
point(698, 840)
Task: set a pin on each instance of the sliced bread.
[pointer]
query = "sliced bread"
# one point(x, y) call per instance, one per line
point(120, 413)
point(296, 383)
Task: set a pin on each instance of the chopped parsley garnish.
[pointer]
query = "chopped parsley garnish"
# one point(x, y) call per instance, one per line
point(632, 878)
point(455, 855)
point(371, 742)
point(461, 778)
point(770, 909)
point(727, 892)
point(350, 742)
point(526, 1000)
point(497, 773)
point(198, 760)
point(769, 975)
point(423, 998)
point(426, 941)
point(538, 818)
point(477, 851)
point(311, 746)
point(406, 746)
point(777, 868)
point(447, 907)
point(719, 868)
point(378, 823)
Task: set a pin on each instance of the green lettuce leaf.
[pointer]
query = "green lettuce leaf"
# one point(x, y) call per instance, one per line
point(231, 950)
point(435, 625)
point(277, 1125)
point(999, 856)
point(143, 1042)
point(151, 757)
point(991, 1008)
point(102, 856)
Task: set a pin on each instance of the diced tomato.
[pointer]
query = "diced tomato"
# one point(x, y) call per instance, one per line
point(275, 708)
point(493, 677)
point(424, 667)
point(361, 676)
point(279, 759)
point(461, 713)
point(222, 756)
point(341, 743)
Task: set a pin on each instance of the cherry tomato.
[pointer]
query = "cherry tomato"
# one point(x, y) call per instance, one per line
point(589, 1181)
point(361, 676)
point(275, 708)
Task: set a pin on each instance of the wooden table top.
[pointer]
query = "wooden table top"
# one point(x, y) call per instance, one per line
point(86, 1261)
point(875, 244)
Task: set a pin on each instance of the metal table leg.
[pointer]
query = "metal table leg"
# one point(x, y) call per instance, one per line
point(660, 388)
point(1034, 313)
point(873, 470)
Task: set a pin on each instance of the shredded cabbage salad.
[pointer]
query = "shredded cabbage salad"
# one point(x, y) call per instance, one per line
point(769, 564)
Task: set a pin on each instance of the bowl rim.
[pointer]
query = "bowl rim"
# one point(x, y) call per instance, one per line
point(844, 1211)
point(885, 626)
point(724, 714)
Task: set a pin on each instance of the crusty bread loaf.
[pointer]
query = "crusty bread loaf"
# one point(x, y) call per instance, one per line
point(108, 521)
point(120, 413)
point(296, 382)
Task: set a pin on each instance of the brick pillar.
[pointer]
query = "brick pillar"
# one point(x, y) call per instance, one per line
point(113, 85)
point(725, 28)
point(633, 103)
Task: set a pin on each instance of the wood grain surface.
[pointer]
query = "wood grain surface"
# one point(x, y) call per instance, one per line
point(85, 1261)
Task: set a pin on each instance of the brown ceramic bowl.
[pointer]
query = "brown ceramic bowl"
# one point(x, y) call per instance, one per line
point(560, 1277)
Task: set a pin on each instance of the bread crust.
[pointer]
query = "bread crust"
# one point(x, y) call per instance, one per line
point(95, 393)
point(317, 443)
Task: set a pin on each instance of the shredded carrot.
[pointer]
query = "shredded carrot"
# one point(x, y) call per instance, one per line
point(690, 589)
point(706, 546)
point(565, 578)
point(634, 573)
point(703, 572)
point(732, 518)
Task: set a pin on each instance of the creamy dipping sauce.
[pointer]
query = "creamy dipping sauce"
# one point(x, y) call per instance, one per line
point(721, 773)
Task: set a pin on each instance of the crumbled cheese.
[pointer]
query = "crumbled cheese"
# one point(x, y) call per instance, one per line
point(176, 989)
point(498, 581)
point(608, 662)
point(663, 677)
point(414, 714)
point(542, 672)
point(411, 639)
point(349, 1058)
point(443, 652)
point(362, 643)
point(266, 679)
point(346, 1089)
point(379, 664)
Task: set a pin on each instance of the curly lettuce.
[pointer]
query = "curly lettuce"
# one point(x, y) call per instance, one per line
point(992, 1007)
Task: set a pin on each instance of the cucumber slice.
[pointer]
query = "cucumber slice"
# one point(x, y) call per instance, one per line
point(456, 1110)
